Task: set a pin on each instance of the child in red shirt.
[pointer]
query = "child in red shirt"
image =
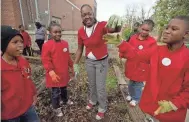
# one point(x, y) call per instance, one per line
point(166, 94)
point(56, 61)
point(138, 71)
point(27, 41)
point(17, 90)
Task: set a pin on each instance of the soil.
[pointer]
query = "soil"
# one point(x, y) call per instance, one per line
point(116, 112)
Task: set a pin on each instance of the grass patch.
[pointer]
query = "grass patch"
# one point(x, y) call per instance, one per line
point(111, 83)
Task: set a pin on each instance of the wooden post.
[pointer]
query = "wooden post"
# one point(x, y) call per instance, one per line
point(31, 57)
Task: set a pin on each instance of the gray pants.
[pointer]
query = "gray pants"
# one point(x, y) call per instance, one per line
point(97, 72)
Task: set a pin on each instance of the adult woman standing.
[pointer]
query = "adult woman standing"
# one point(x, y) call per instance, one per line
point(40, 35)
point(90, 36)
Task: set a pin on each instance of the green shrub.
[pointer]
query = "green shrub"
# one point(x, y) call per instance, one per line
point(111, 83)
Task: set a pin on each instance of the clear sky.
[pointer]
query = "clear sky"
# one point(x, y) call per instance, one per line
point(105, 8)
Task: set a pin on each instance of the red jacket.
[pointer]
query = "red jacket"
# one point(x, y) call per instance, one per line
point(94, 43)
point(134, 69)
point(55, 56)
point(17, 89)
point(168, 79)
point(27, 39)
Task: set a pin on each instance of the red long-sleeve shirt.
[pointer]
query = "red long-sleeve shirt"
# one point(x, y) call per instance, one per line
point(17, 88)
point(27, 39)
point(134, 69)
point(168, 79)
point(55, 56)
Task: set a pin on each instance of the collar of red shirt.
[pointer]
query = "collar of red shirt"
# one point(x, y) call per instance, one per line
point(137, 37)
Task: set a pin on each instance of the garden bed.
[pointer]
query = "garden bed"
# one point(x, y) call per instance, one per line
point(117, 111)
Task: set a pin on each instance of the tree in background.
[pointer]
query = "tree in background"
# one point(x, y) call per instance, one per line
point(133, 14)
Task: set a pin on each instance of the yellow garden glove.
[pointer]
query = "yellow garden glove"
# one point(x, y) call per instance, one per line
point(113, 38)
point(166, 106)
point(114, 22)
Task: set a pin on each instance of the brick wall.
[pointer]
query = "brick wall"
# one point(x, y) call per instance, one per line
point(70, 16)
point(26, 12)
point(92, 3)
point(43, 6)
point(10, 13)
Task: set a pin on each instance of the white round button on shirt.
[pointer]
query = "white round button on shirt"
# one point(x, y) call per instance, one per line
point(166, 61)
point(65, 50)
point(140, 47)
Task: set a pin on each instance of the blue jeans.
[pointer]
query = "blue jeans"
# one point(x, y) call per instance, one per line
point(58, 93)
point(29, 116)
point(135, 90)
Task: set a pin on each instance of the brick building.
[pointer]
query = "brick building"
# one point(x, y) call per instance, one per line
point(65, 12)
point(11, 12)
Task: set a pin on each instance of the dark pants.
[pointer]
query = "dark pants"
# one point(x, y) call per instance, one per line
point(40, 43)
point(58, 93)
point(27, 50)
point(29, 116)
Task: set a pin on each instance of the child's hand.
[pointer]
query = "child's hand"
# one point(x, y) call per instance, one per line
point(72, 72)
point(34, 99)
point(165, 106)
point(54, 76)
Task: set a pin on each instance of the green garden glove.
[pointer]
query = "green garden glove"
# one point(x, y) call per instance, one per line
point(167, 106)
point(187, 45)
point(113, 38)
point(114, 21)
point(76, 68)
